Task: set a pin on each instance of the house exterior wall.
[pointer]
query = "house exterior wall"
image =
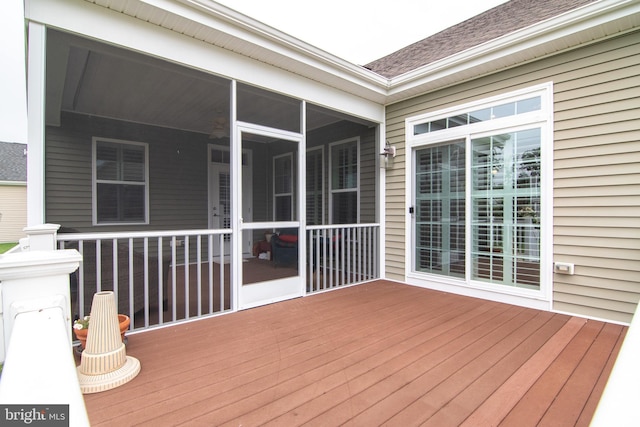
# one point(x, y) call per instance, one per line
point(13, 211)
point(596, 170)
point(177, 174)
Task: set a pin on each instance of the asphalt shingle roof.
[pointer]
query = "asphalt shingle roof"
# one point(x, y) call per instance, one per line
point(13, 162)
point(499, 21)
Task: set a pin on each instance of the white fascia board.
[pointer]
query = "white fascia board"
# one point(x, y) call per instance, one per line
point(519, 42)
point(210, 14)
point(280, 42)
point(110, 26)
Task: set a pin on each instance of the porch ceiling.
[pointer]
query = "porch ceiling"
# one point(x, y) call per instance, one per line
point(91, 78)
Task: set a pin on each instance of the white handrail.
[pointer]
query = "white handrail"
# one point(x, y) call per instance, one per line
point(39, 368)
point(617, 406)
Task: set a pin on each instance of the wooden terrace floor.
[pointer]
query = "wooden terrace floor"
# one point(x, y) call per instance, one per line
point(381, 353)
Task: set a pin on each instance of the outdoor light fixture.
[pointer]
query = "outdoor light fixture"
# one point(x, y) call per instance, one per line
point(220, 127)
point(389, 152)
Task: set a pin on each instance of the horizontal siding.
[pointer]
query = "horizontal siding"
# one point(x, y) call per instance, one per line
point(177, 174)
point(596, 169)
point(13, 212)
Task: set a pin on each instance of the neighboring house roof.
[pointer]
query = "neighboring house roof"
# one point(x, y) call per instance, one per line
point(503, 19)
point(13, 162)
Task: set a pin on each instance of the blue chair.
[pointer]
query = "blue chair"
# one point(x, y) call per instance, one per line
point(284, 247)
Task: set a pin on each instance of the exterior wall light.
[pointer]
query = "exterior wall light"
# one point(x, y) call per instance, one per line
point(389, 152)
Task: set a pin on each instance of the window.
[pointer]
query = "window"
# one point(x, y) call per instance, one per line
point(283, 187)
point(477, 198)
point(120, 193)
point(344, 182)
point(315, 186)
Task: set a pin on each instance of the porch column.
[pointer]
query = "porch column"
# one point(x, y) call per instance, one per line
point(13, 83)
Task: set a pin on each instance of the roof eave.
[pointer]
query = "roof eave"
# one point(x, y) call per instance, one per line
point(575, 28)
point(262, 42)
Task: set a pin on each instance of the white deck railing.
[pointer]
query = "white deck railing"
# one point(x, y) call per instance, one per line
point(149, 275)
point(158, 277)
point(340, 255)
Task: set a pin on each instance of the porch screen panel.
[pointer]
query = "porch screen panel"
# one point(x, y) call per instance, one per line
point(440, 209)
point(506, 209)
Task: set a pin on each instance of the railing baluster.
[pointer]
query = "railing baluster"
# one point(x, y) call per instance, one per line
point(132, 307)
point(145, 242)
point(114, 269)
point(174, 314)
point(161, 288)
point(81, 281)
point(199, 273)
point(210, 261)
point(221, 239)
point(186, 277)
point(98, 266)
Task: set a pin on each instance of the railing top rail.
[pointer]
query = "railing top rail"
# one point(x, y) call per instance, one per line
point(139, 234)
point(338, 226)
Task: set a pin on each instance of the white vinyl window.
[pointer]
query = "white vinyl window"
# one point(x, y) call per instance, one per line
point(315, 186)
point(345, 182)
point(120, 182)
point(283, 187)
point(478, 206)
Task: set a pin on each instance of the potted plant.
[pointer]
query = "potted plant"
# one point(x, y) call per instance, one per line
point(81, 328)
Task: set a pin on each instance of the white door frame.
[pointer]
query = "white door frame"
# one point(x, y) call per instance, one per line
point(270, 291)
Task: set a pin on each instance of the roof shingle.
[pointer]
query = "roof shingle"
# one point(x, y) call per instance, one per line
point(13, 162)
point(499, 21)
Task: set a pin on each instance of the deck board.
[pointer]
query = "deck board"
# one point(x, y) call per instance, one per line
point(371, 354)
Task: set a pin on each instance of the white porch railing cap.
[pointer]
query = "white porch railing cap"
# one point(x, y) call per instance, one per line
point(38, 263)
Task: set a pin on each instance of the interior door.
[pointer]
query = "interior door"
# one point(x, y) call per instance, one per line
point(276, 272)
point(220, 199)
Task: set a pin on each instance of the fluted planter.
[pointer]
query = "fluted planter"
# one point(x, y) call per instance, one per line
point(104, 363)
point(123, 323)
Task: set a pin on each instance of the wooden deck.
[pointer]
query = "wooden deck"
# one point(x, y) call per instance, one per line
point(381, 353)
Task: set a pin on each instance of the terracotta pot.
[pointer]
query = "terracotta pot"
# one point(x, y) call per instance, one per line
point(81, 334)
point(123, 322)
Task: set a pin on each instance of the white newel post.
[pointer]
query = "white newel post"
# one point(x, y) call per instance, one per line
point(36, 346)
point(35, 279)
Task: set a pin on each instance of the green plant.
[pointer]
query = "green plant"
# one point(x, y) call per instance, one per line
point(4, 247)
point(81, 323)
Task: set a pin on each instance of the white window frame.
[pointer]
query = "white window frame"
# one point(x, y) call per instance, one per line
point(355, 141)
point(291, 185)
point(95, 181)
point(543, 119)
point(322, 182)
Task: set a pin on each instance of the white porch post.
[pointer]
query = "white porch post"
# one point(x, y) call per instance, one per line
point(36, 97)
point(13, 84)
